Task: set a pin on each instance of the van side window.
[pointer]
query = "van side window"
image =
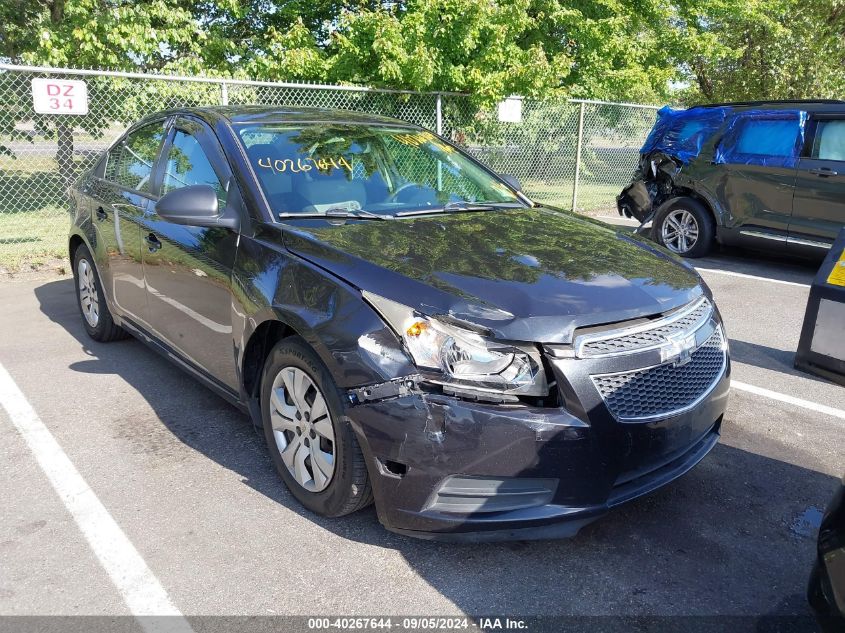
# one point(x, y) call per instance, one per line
point(829, 142)
point(767, 137)
point(130, 163)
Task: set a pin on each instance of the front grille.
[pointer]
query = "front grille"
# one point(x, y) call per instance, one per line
point(644, 337)
point(667, 389)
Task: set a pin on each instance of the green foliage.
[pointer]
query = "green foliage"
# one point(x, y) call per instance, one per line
point(123, 34)
point(760, 49)
point(619, 50)
point(475, 46)
point(615, 46)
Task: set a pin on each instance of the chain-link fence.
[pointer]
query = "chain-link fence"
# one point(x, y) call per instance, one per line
point(566, 153)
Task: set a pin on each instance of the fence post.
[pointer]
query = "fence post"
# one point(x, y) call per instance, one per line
point(439, 114)
point(224, 93)
point(578, 156)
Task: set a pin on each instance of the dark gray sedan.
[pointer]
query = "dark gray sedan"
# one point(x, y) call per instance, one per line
point(404, 324)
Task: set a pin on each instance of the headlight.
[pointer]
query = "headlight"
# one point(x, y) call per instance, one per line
point(453, 355)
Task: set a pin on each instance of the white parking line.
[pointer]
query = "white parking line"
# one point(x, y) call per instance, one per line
point(782, 397)
point(730, 273)
point(137, 585)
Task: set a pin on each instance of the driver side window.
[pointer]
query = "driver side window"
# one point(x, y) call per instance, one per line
point(188, 164)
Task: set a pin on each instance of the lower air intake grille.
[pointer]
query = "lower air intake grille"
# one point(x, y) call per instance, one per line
point(666, 389)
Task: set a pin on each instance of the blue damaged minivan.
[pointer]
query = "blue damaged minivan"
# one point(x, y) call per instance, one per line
point(763, 175)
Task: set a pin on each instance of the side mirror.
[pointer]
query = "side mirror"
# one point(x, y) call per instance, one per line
point(195, 205)
point(512, 181)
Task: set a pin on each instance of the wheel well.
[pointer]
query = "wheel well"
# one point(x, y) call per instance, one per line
point(265, 336)
point(688, 193)
point(74, 243)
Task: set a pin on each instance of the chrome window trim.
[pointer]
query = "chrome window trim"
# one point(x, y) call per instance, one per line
point(584, 339)
point(680, 411)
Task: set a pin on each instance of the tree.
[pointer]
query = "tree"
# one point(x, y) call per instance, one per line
point(752, 50)
point(616, 46)
point(617, 50)
point(476, 46)
point(117, 34)
point(586, 48)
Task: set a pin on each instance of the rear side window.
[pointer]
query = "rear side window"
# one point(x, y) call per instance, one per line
point(766, 138)
point(187, 164)
point(130, 163)
point(829, 142)
point(758, 137)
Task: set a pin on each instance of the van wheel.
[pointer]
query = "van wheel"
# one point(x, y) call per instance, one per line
point(96, 317)
point(685, 227)
point(311, 444)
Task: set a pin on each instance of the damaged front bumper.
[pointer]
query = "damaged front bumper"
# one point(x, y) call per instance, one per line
point(636, 202)
point(445, 468)
point(652, 184)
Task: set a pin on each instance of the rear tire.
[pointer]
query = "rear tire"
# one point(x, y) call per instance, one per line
point(311, 444)
point(95, 313)
point(685, 227)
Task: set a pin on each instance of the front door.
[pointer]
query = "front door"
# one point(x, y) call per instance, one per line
point(818, 208)
point(119, 201)
point(188, 270)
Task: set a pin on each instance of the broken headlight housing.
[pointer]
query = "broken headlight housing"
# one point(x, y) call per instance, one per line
point(462, 359)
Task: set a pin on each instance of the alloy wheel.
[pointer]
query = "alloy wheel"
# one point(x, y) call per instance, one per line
point(303, 429)
point(88, 292)
point(679, 231)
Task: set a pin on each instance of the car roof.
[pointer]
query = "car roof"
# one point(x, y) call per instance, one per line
point(257, 115)
point(780, 104)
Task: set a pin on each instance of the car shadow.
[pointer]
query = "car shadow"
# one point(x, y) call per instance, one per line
point(770, 358)
point(717, 541)
point(761, 264)
point(764, 356)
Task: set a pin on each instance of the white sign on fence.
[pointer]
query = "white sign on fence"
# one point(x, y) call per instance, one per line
point(510, 110)
point(59, 96)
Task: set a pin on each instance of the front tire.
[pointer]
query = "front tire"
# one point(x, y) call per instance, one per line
point(95, 313)
point(312, 446)
point(685, 227)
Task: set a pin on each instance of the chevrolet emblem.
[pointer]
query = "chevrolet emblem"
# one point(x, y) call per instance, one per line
point(678, 350)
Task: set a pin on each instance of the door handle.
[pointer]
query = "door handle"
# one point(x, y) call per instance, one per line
point(153, 242)
point(101, 214)
point(824, 172)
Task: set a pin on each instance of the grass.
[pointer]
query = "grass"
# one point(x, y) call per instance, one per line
point(593, 197)
point(31, 239)
point(34, 217)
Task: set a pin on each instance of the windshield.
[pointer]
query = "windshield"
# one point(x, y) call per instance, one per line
point(387, 170)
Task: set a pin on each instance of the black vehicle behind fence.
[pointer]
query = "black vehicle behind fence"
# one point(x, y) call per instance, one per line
point(404, 325)
point(762, 175)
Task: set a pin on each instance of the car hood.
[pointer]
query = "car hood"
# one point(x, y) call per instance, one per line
point(526, 275)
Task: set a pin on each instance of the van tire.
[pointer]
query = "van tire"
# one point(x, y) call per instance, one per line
point(685, 227)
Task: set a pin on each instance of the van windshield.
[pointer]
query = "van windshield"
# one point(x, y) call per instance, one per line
point(317, 168)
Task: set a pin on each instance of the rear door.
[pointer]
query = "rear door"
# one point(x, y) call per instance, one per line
point(188, 269)
point(120, 200)
point(818, 208)
point(759, 152)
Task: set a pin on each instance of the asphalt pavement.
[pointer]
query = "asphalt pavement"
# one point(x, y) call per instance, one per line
point(190, 485)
